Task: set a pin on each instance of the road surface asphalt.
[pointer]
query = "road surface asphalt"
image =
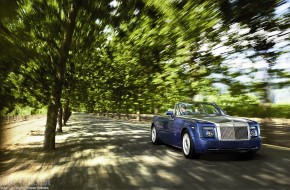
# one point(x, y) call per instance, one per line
point(104, 153)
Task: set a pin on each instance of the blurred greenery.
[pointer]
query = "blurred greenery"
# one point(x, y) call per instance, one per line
point(142, 56)
point(258, 111)
point(22, 111)
point(249, 106)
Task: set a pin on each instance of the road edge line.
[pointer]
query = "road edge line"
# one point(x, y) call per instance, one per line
point(276, 146)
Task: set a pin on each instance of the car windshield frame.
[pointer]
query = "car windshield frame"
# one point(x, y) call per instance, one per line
point(199, 108)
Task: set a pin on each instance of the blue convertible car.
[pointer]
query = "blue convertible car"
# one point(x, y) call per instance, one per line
point(202, 127)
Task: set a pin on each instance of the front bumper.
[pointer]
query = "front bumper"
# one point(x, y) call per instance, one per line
point(204, 145)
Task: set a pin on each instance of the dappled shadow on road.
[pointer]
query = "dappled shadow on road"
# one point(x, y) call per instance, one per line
point(101, 153)
point(1, 135)
point(276, 133)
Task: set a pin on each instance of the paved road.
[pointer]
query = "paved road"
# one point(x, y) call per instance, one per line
point(13, 133)
point(102, 153)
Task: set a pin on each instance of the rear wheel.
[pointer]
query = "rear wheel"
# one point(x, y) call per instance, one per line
point(154, 135)
point(188, 146)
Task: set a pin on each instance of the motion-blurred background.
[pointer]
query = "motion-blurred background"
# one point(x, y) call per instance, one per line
point(142, 56)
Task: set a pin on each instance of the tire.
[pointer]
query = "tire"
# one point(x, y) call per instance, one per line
point(154, 136)
point(188, 146)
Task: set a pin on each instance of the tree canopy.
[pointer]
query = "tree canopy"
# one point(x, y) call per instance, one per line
point(136, 56)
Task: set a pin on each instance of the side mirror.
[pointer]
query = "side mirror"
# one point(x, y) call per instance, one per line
point(169, 113)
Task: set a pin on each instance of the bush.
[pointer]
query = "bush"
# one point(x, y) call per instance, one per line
point(259, 110)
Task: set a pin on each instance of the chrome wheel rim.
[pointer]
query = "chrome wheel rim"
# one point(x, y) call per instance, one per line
point(153, 134)
point(186, 143)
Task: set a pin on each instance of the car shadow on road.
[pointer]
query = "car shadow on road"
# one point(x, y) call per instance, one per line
point(223, 156)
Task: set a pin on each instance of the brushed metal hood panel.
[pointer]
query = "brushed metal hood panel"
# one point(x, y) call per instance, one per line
point(219, 119)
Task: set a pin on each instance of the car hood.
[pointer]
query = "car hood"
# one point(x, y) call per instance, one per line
point(219, 119)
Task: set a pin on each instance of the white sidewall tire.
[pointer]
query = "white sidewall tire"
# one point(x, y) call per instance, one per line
point(186, 144)
point(154, 135)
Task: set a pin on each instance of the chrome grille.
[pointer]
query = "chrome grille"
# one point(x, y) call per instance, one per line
point(241, 132)
point(227, 133)
point(236, 131)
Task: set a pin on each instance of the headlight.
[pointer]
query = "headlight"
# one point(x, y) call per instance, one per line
point(208, 132)
point(254, 131)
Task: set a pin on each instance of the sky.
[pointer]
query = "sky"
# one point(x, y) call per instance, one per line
point(239, 62)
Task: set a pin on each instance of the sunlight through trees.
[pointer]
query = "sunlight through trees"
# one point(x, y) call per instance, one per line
point(139, 56)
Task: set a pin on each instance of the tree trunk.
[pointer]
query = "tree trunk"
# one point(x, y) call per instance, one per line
point(67, 112)
point(54, 104)
point(127, 111)
point(156, 110)
point(119, 105)
point(49, 134)
point(138, 112)
point(59, 129)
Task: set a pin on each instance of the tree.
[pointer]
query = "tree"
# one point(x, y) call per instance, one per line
point(193, 25)
point(263, 27)
point(131, 56)
point(12, 52)
point(53, 23)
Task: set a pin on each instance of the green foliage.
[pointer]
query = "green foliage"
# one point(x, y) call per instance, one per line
point(20, 110)
point(12, 52)
point(280, 111)
point(248, 106)
point(263, 31)
point(259, 111)
point(137, 56)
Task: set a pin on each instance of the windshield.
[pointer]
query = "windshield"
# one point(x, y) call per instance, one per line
point(199, 108)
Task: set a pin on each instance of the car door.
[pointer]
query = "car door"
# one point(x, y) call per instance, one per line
point(162, 127)
point(172, 131)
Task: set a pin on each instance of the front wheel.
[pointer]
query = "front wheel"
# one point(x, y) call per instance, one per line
point(188, 146)
point(154, 135)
